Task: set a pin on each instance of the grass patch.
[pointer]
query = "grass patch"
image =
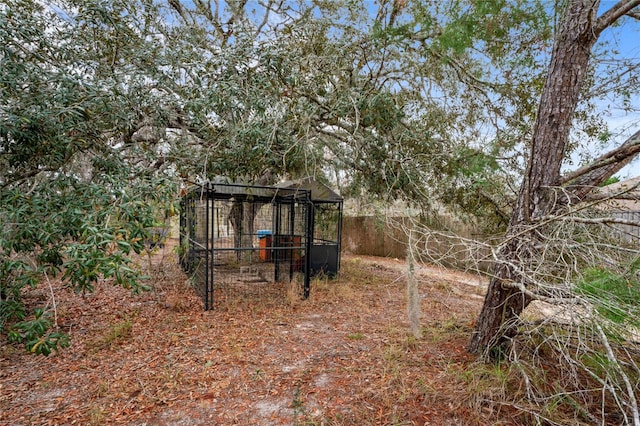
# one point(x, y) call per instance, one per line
point(616, 297)
point(361, 275)
point(114, 335)
point(96, 416)
point(447, 329)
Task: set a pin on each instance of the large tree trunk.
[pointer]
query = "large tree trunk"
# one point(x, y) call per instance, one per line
point(538, 196)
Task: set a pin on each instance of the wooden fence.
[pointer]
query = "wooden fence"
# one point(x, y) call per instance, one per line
point(628, 232)
point(372, 236)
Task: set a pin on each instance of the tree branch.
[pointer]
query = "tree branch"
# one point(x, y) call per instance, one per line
point(268, 9)
point(236, 13)
point(623, 191)
point(607, 220)
point(12, 181)
point(205, 9)
point(184, 14)
point(630, 388)
point(582, 181)
point(623, 7)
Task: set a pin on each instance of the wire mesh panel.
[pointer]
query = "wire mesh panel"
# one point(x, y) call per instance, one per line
point(241, 256)
point(324, 252)
point(242, 242)
point(289, 250)
point(194, 243)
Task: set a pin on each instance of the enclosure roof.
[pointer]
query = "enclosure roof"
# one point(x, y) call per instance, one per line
point(319, 192)
point(255, 192)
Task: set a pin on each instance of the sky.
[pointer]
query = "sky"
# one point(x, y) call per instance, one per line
point(625, 38)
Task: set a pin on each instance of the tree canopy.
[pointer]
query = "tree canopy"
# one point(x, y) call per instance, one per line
point(487, 108)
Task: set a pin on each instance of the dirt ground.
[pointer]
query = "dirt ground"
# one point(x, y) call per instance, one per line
point(345, 356)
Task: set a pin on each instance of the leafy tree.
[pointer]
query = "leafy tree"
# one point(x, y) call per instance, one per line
point(387, 98)
point(77, 193)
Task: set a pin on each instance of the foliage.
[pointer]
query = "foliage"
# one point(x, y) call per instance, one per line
point(36, 334)
point(611, 180)
point(615, 296)
point(379, 99)
point(75, 200)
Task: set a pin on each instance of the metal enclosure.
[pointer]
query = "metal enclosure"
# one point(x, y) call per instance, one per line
point(326, 226)
point(240, 239)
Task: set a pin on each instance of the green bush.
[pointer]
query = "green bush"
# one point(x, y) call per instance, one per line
point(77, 195)
point(36, 334)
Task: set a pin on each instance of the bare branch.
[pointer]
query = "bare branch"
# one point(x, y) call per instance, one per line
point(205, 9)
point(594, 221)
point(584, 180)
point(176, 6)
point(236, 13)
point(268, 9)
point(633, 402)
point(25, 176)
point(623, 192)
point(623, 7)
point(182, 12)
point(614, 81)
point(552, 300)
point(620, 196)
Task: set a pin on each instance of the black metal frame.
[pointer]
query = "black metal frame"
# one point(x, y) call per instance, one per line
point(326, 246)
point(289, 248)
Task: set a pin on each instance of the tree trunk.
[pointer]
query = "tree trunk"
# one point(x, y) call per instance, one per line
point(498, 320)
point(235, 217)
point(538, 195)
point(242, 217)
